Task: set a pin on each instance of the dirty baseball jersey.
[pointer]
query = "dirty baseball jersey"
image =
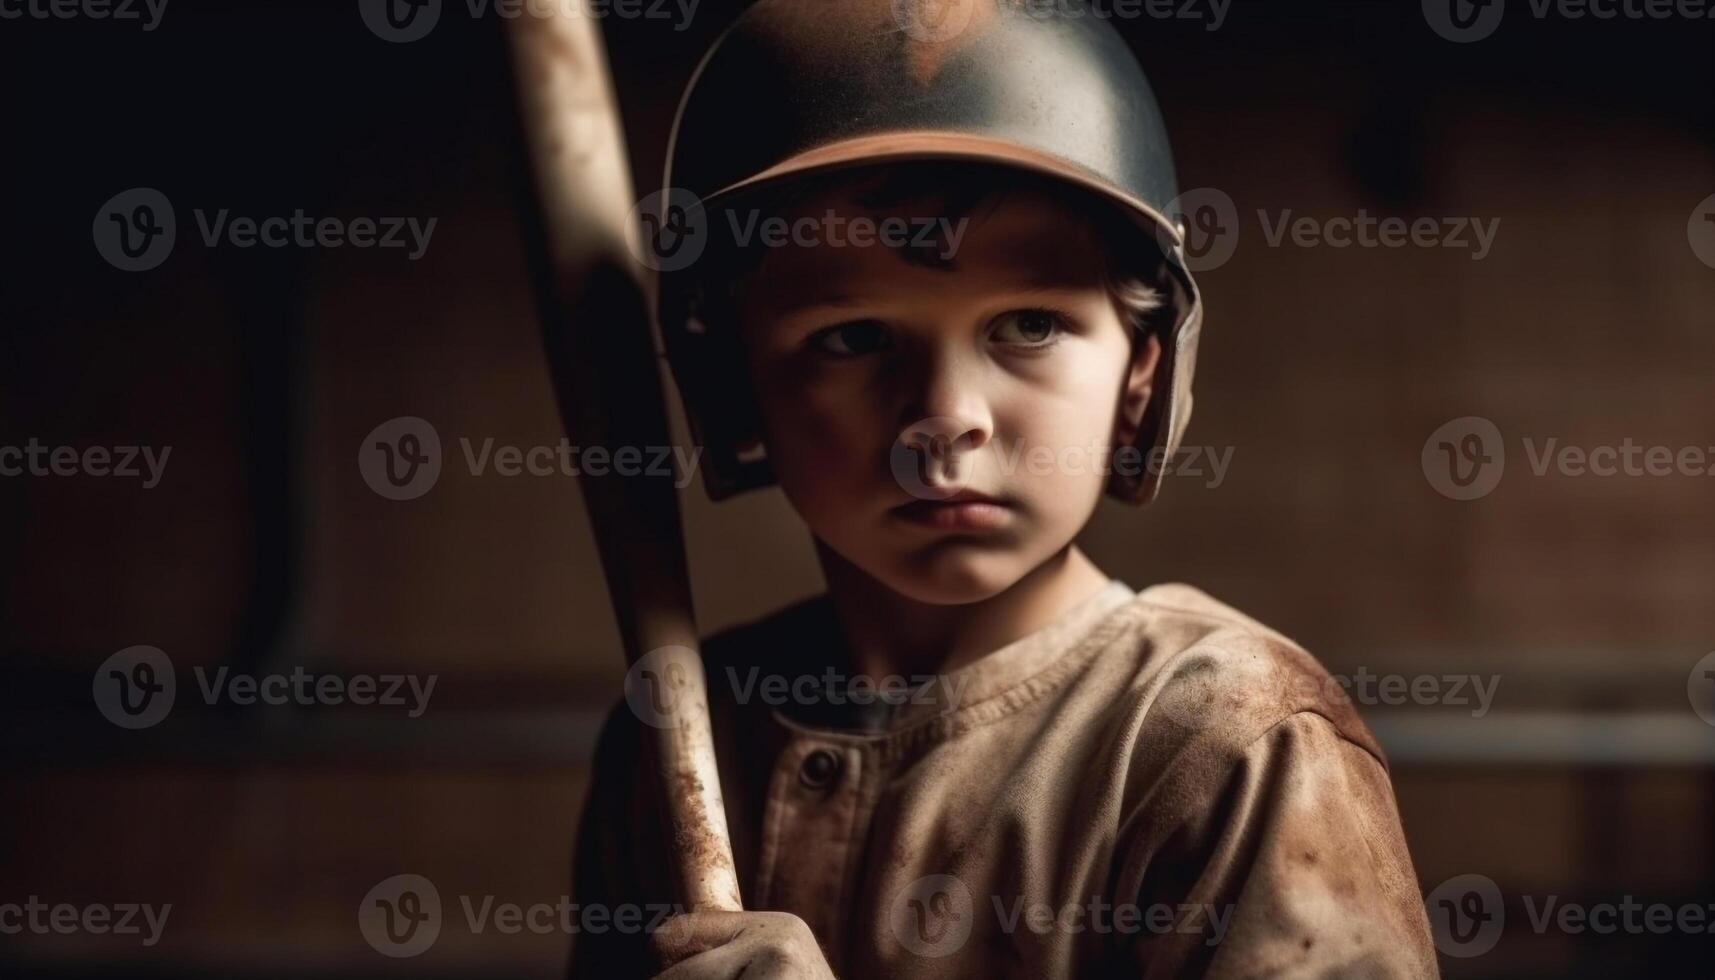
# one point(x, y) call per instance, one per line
point(1153, 785)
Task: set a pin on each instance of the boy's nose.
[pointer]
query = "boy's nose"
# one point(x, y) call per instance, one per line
point(944, 426)
point(948, 403)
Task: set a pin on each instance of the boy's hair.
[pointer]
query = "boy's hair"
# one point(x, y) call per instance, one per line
point(1136, 273)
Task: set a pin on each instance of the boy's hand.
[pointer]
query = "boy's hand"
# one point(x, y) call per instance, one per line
point(725, 945)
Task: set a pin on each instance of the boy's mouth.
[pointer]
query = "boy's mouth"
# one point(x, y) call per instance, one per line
point(967, 510)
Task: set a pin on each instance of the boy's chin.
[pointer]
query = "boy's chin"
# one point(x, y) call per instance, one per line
point(954, 577)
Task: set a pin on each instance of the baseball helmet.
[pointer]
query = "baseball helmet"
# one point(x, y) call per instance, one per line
point(800, 87)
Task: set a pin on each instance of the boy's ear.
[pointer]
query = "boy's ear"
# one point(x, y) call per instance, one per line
point(1139, 386)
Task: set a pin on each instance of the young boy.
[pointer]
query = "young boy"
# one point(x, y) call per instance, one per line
point(941, 305)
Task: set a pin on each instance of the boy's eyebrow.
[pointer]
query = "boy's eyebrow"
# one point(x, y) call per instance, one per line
point(793, 307)
point(1042, 281)
point(1049, 284)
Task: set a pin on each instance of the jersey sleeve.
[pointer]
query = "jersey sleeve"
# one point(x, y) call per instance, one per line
point(1288, 860)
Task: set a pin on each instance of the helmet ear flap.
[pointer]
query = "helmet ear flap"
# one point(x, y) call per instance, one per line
point(1138, 469)
point(708, 366)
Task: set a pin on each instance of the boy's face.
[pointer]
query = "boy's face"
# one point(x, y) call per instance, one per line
point(1010, 371)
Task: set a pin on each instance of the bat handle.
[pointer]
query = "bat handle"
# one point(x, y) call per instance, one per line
point(696, 812)
point(597, 333)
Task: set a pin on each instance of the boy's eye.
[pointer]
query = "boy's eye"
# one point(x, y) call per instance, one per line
point(1028, 328)
point(851, 339)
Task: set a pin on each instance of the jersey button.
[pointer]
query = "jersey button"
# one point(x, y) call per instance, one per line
point(819, 770)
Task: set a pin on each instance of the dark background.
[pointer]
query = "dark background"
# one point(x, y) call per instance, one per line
point(1324, 369)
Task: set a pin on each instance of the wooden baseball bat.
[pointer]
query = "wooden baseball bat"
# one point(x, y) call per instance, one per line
point(602, 353)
